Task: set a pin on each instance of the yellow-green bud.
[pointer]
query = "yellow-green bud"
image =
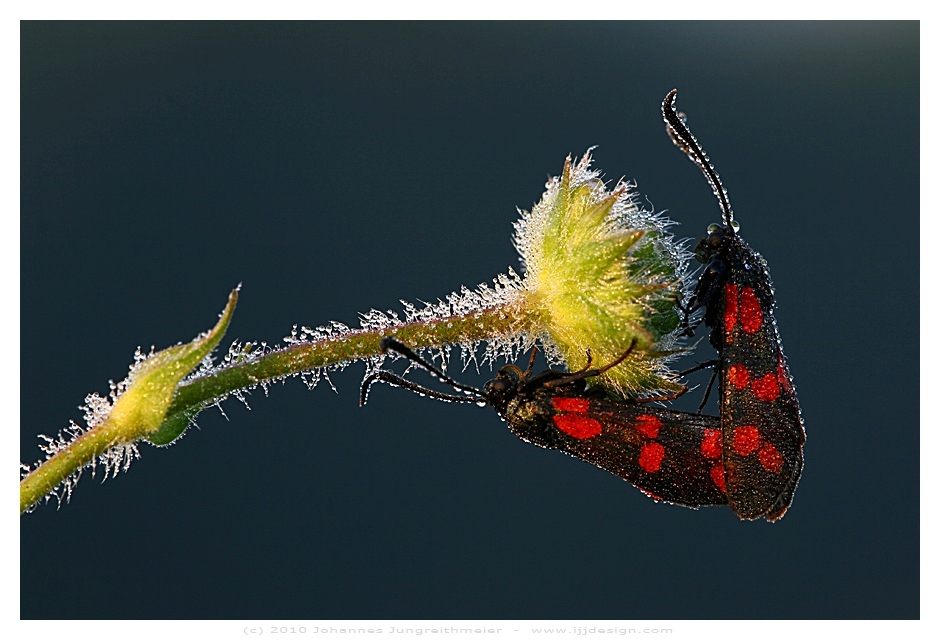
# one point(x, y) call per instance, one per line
point(601, 272)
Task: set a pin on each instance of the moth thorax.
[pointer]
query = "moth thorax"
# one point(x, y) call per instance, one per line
point(527, 422)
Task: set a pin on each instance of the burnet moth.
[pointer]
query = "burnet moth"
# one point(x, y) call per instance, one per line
point(761, 428)
point(668, 455)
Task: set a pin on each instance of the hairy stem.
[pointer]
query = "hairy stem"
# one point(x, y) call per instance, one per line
point(50, 474)
point(357, 345)
point(192, 396)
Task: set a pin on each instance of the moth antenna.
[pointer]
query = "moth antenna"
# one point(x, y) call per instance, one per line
point(683, 138)
point(391, 344)
point(397, 381)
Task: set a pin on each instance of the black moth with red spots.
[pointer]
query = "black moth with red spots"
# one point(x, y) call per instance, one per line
point(668, 455)
point(762, 430)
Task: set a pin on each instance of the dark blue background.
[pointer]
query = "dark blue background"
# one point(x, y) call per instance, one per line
point(332, 168)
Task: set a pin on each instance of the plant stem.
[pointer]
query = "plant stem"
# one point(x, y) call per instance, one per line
point(190, 397)
point(480, 325)
point(51, 473)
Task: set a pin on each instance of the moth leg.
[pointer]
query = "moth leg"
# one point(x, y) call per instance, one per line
point(708, 389)
point(704, 365)
point(663, 398)
point(590, 373)
point(528, 369)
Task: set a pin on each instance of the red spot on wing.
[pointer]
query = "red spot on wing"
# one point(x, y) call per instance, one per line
point(766, 388)
point(750, 314)
point(570, 405)
point(577, 426)
point(731, 308)
point(770, 458)
point(711, 443)
point(745, 440)
point(651, 456)
point(718, 477)
point(738, 375)
point(648, 425)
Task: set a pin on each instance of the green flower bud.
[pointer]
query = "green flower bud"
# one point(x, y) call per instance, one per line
point(599, 273)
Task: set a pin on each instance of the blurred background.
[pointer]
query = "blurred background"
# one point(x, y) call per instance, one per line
point(336, 167)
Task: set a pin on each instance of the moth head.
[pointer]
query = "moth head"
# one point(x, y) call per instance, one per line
point(500, 389)
point(714, 239)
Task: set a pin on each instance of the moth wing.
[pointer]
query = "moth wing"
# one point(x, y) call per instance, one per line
point(762, 429)
point(669, 455)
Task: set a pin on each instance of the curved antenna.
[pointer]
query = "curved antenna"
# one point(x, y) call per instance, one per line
point(683, 138)
point(397, 381)
point(391, 344)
